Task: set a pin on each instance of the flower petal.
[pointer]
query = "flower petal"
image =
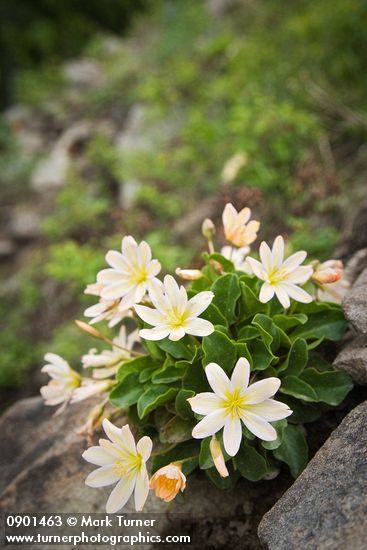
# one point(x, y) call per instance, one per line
point(259, 391)
point(232, 435)
point(300, 275)
point(297, 293)
point(240, 375)
point(218, 380)
point(122, 437)
point(117, 261)
point(176, 334)
point(141, 489)
point(257, 268)
point(266, 256)
point(205, 403)
point(282, 295)
point(199, 327)
point(266, 293)
point(278, 251)
point(149, 315)
point(197, 304)
point(144, 447)
point(102, 476)
point(210, 424)
point(157, 333)
point(270, 410)
point(121, 493)
point(117, 290)
point(258, 426)
point(294, 260)
point(171, 290)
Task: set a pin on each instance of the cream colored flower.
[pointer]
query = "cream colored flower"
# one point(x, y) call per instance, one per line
point(120, 460)
point(238, 257)
point(131, 275)
point(64, 380)
point(89, 388)
point(174, 315)
point(107, 310)
point(168, 481)
point(233, 166)
point(217, 456)
point(328, 272)
point(233, 401)
point(189, 274)
point(237, 228)
point(111, 359)
point(280, 276)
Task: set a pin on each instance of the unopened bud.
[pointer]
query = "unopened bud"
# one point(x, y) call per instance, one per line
point(218, 458)
point(208, 229)
point(189, 274)
point(328, 272)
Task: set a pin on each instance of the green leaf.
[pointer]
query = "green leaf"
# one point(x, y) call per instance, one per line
point(293, 450)
point(223, 482)
point(328, 323)
point(219, 349)
point(180, 349)
point(296, 359)
point(213, 315)
point(287, 322)
point(205, 456)
point(127, 392)
point(224, 262)
point(153, 349)
point(182, 406)
point(331, 387)
point(146, 374)
point(302, 412)
point(262, 356)
point(177, 430)
point(292, 385)
point(243, 351)
point(226, 293)
point(269, 332)
point(250, 463)
point(249, 303)
point(153, 397)
point(280, 426)
point(248, 332)
point(187, 449)
point(167, 375)
point(195, 379)
point(136, 365)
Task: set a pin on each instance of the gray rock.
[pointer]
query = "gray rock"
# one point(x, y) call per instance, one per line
point(353, 360)
point(326, 507)
point(355, 304)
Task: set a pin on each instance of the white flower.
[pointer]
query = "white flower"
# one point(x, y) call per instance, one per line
point(237, 228)
point(107, 310)
point(111, 358)
point(122, 461)
point(89, 388)
point(64, 380)
point(131, 275)
point(333, 292)
point(174, 315)
point(234, 401)
point(238, 257)
point(281, 276)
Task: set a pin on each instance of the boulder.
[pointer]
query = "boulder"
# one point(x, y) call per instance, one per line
point(326, 507)
point(355, 304)
point(353, 360)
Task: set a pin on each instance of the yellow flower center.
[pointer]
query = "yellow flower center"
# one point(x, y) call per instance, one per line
point(276, 275)
point(234, 404)
point(125, 465)
point(140, 276)
point(176, 318)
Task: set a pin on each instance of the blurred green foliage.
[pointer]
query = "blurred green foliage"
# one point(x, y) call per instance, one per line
point(208, 87)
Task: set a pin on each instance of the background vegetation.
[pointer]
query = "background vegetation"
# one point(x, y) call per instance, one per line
point(176, 92)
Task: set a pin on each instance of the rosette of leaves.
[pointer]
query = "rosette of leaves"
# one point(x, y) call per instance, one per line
point(154, 388)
